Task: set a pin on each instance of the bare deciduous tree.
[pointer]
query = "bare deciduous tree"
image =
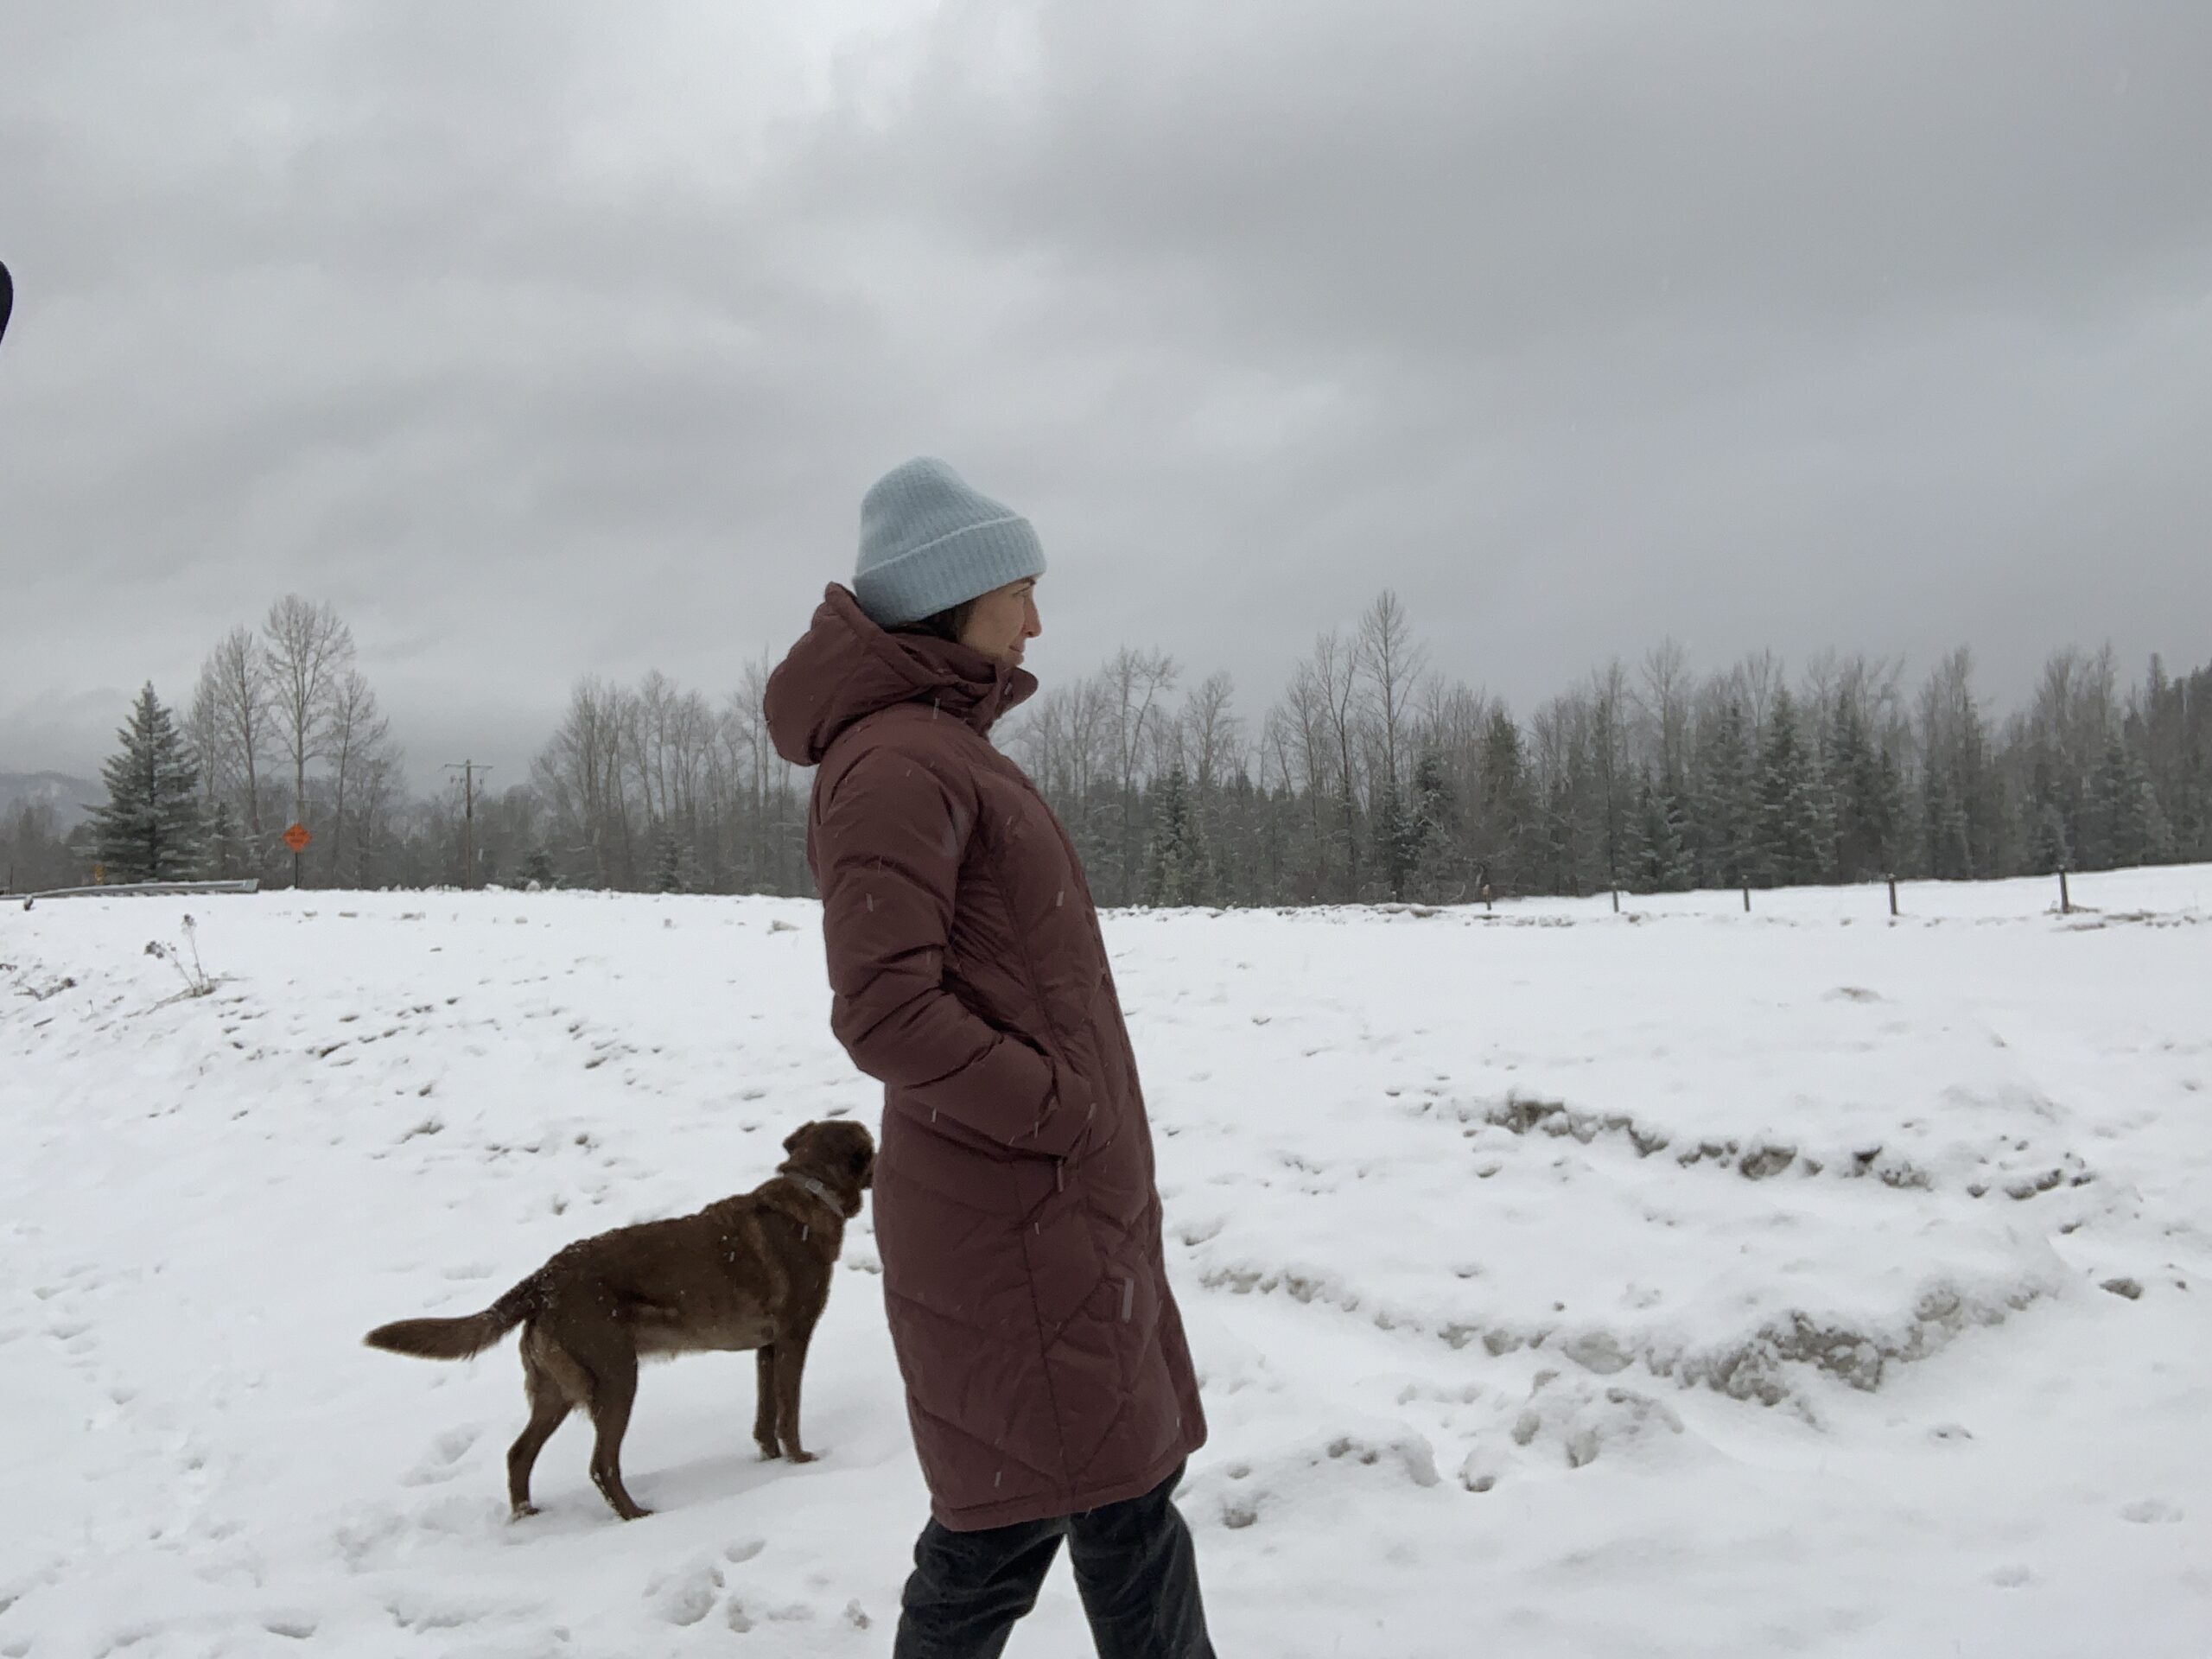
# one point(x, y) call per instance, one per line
point(1760, 675)
point(1213, 733)
point(1662, 700)
point(235, 685)
point(1392, 664)
point(1333, 670)
point(581, 772)
point(309, 650)
point(1138, 682)
point(361, 761)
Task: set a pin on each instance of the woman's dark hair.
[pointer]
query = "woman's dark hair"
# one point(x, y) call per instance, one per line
point(949, 624)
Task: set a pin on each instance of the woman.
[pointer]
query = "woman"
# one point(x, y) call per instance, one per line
point(1047, 1379)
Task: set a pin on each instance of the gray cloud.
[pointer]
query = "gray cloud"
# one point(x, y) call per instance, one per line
point(552, 339)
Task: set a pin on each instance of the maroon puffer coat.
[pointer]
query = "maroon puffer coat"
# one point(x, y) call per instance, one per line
point(1046, 1368)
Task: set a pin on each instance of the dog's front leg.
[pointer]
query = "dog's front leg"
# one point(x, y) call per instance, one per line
point(764, 1410)
point(789, 1364)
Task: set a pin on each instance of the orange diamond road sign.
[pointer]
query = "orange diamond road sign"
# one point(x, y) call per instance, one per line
point(297, 838)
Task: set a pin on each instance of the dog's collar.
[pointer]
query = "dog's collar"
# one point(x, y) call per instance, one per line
point(818, 1190)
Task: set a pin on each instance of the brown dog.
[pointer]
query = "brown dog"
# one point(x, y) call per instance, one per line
point(749, 1272)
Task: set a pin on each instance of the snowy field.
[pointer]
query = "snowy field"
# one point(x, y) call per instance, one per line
point(1679, 1283)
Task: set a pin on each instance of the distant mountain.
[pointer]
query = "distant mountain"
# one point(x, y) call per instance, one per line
point(72, 799)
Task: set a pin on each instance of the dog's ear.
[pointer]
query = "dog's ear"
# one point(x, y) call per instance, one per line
point(862, 1158)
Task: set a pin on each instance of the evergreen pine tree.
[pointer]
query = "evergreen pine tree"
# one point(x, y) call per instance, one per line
point(1663, 858)
point(1825, 793)
point(150, 830)
point(1883, 804)
point(1976, 791)
point(671, 861)
point(1176, 866)
point(1726, 806)
point(1504, 839)
point(1642, 833)
point(1679, 866)
point(2110, 824)
point(2135, 830)
point(1850, 779)
point(1396, 835)
point(2158, 829)
point(1238, 864)
point(1943, 824)
point(1275, 856)
point(1559, 870)
point(226, 857)
point(2051, 853)
point(2190, 821)
point(1788, 851)
point(1436, 823)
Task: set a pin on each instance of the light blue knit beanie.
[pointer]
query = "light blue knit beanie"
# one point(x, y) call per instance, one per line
point(928, 543)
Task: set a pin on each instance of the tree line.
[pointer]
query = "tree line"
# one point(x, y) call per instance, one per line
point(1372, 777)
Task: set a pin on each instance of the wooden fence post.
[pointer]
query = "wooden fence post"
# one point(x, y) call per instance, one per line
point(2065, 898)
point(1747, 898)
point(1893, 895)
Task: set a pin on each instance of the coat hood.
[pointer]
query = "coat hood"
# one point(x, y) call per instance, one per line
point(845, 668)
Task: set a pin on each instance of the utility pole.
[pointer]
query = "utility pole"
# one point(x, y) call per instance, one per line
point(468, 769)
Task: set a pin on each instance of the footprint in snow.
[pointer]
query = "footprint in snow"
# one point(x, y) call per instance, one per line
point(2151, 1512)
point(687, 1595)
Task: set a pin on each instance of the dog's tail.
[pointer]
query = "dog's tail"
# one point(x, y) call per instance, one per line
point(460, 1338)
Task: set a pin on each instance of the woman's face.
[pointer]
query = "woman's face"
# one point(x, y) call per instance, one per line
point(1004, 621)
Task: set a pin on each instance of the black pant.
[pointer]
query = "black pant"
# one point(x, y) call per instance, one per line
point(1133, 1568)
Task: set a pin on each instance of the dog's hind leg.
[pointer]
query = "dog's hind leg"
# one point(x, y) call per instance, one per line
point(613, 1391)
point(549, 1406)
point(763, 1413)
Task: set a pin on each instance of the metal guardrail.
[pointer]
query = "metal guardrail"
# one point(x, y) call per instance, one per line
point(252, 884)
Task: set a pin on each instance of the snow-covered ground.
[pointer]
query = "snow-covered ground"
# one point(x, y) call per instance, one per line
point(1679, 1283)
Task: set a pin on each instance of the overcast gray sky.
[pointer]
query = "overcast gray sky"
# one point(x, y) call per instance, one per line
point(550, 339)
